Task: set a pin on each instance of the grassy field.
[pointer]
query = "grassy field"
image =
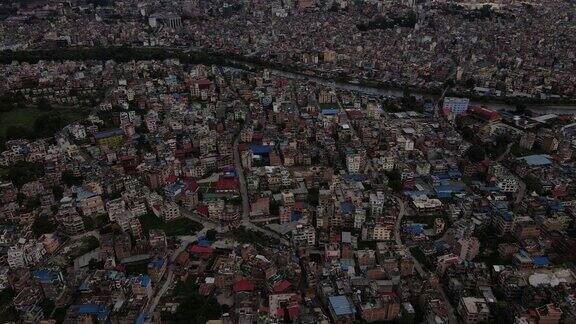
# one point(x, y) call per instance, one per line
point(180, 226)
point(26, 117)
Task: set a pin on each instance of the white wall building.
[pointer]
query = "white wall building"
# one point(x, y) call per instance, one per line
point(455, 105)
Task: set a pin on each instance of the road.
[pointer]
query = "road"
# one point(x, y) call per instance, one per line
point(503, 155)
point(521, 192)
point(401, 212)
point(161, 292)
point(417, 265)
point(241, 179)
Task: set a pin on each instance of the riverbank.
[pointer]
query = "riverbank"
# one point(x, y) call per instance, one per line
point(198, 56)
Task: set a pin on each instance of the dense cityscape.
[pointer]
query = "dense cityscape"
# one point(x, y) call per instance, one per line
point(287, 161)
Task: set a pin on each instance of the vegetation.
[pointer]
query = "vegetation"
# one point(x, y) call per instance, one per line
point(533, 184)
point(194, 308)
point(420, 256)
point(313, 196)
point(244, 235)
point(476, 153)
point(134, 269)
point(36, 122)
point(211, 234)
point(395, 180)
point(180, 226)
point(22, 172)
point(408, 20)
point(43, 225)
point(69, 179)
point(7, 311)
point(489, 245)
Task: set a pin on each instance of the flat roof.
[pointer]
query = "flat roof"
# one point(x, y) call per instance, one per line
point(537, 160)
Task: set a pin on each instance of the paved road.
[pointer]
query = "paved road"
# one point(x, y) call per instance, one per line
point(241, 179)
point(521, 192)
point(503, 155)
point(417, 265)
point(401, 213)
point(161, 292)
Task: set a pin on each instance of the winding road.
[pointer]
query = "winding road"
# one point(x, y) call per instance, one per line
point(417, 265)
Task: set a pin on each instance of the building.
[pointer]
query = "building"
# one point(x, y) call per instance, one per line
point(341, 308)
point(473, 310)
point(304, 234)
point(549, 314)
point(52, 282)
point(467, 248)
point(525, 228)
point(170, 211)
point(427, 206)
point(455, 106)
point(110, 138)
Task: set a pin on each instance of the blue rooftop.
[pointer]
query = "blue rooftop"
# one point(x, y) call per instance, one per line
point(260, 149)
point(341, 305)
point(329, 111)
point(157, 263)
point(141, 318)
point(144, 280)
point(295, 216)
point(101, 311)
point(46, 276)
point(537, 160)
point(416, 229)
point(108, 133)
point(541, 261)
point(355, 177)
point(204, 242)
point(347, 207)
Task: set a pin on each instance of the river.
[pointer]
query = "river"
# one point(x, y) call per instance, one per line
point(395, 93)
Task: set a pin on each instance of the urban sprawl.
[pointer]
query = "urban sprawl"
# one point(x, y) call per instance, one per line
point(287, 161)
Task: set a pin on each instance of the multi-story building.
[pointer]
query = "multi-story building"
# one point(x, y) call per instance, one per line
point(473, 310)
point(170, 211)
point(304, 234)
point(456, 106)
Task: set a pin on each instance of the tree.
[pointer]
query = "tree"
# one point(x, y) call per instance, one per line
point(533, 184)
point(43, 104)
point(211, 234)
point(395, 179)
point(476, 153)
point(43, 225)
point(520, 108)
point(194, 307)
point(313, 196)
point(23, 172)
point(69, 179)
point(58, 192)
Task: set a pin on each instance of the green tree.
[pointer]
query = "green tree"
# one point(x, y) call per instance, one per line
point(211, 234)
point(43, 225)
point(23, 172)
point(395, 179)
point(533, 184)
point(69, 179)
point(476, 153)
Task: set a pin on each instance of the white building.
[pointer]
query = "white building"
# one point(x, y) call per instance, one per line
point(359, 218)
point(473, 310)
point(455, 105)
point(170, 211)
point(16, 257)
point(25, 253)
point(377, 201)
point(304, 234)
point(353, 163)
